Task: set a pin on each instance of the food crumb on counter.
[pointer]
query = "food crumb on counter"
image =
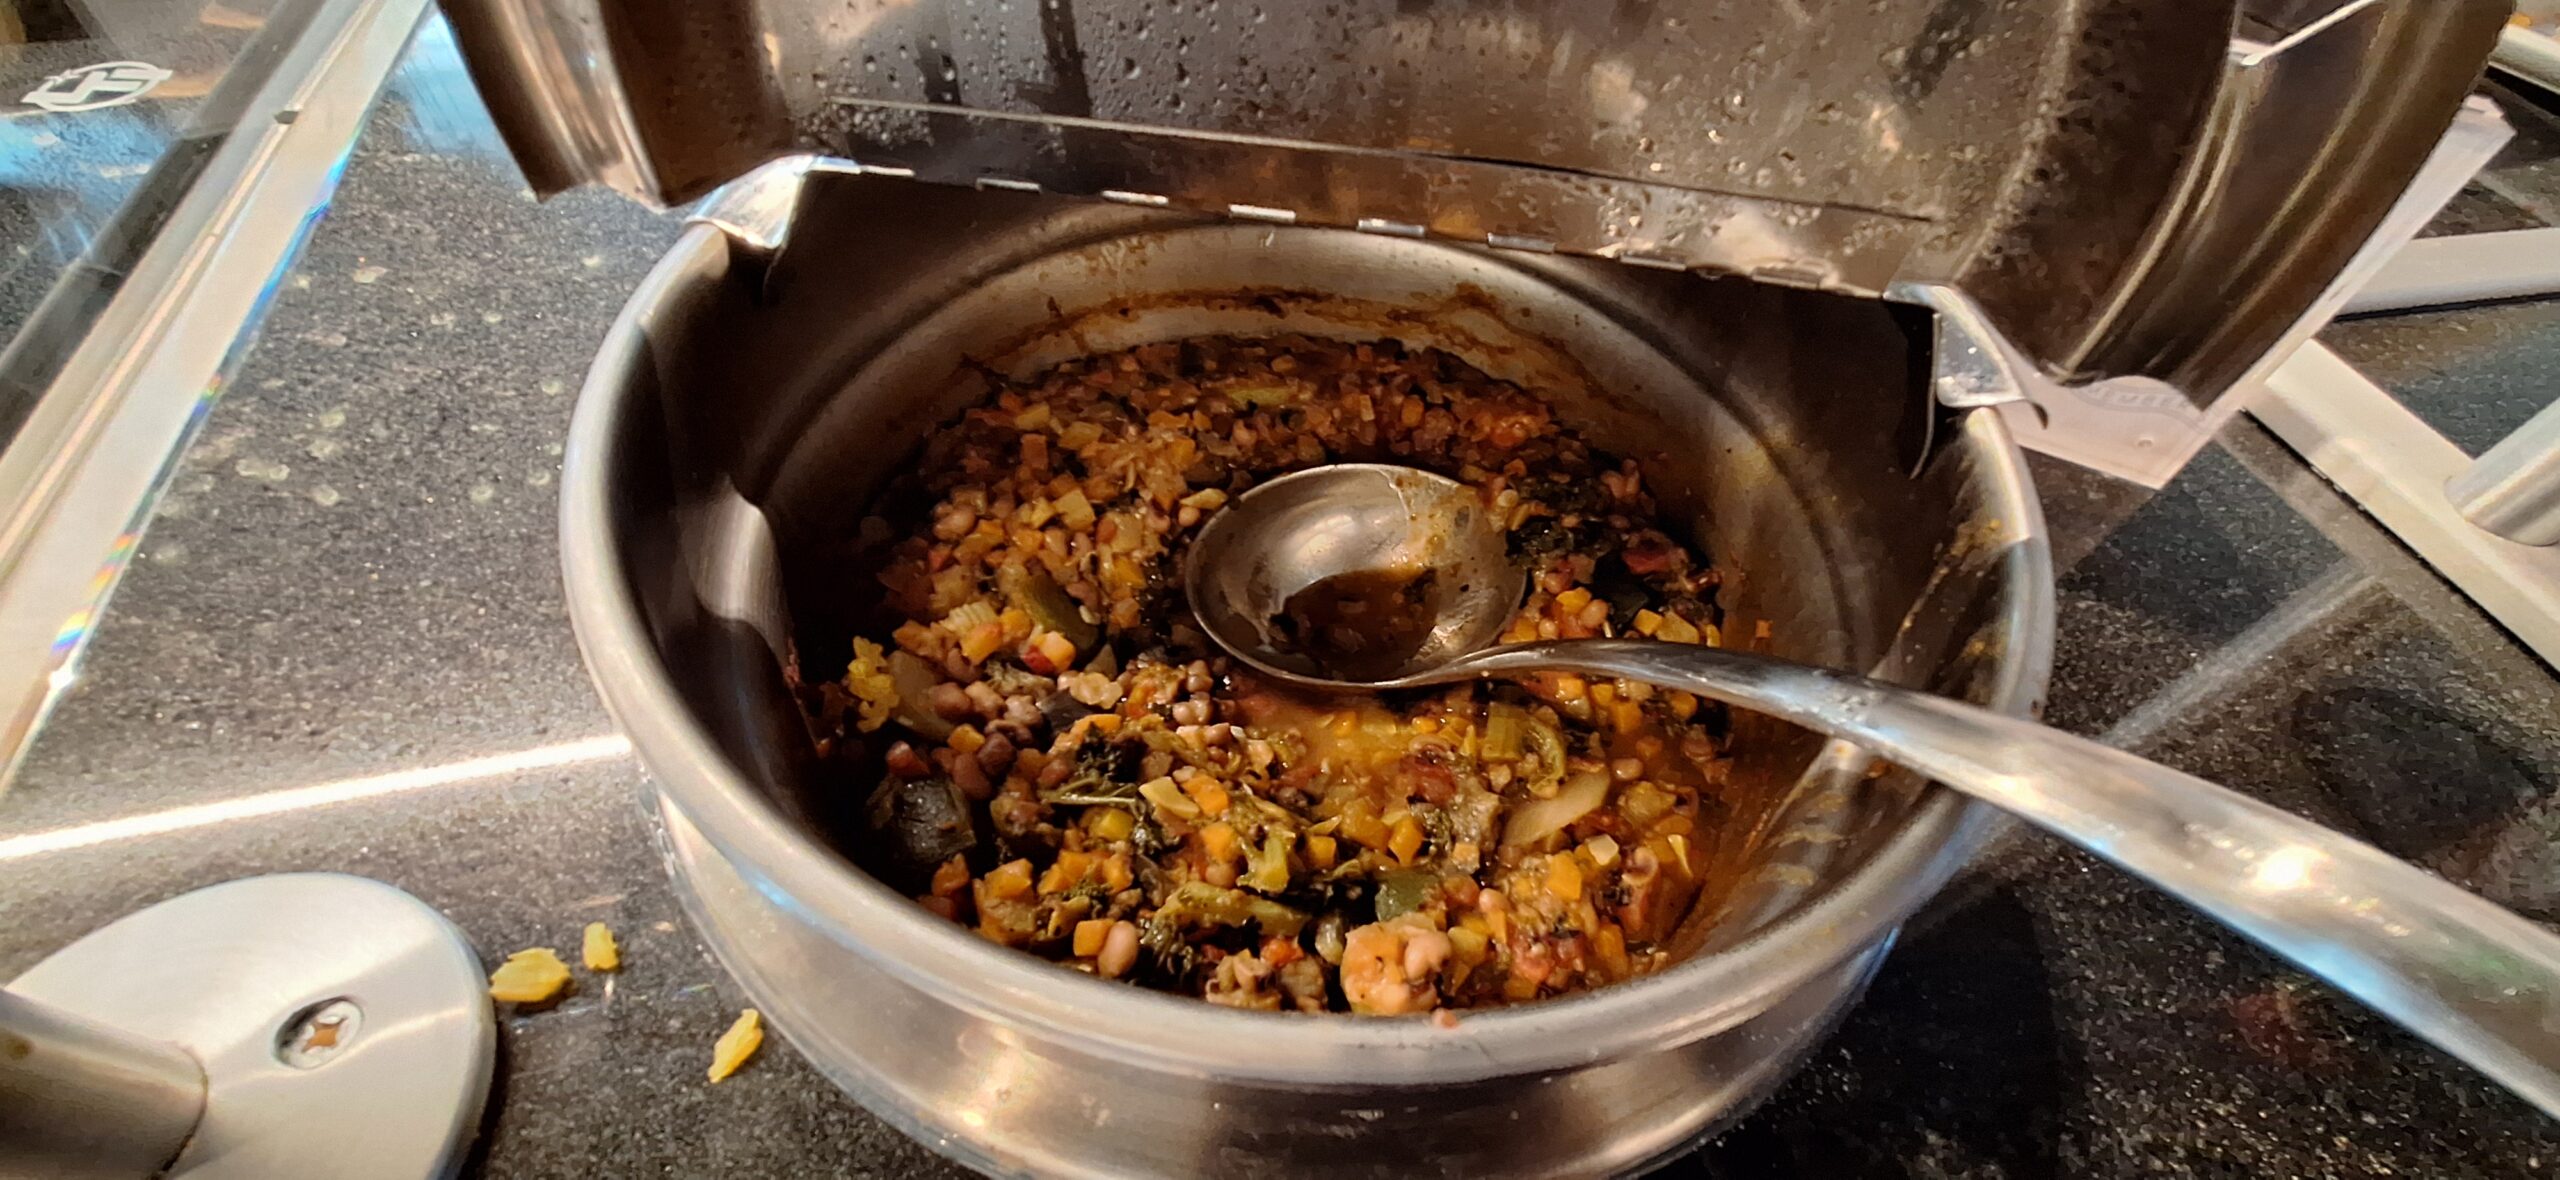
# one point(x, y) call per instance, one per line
point(599, 950)
point(737, 1045)
point(529, 976)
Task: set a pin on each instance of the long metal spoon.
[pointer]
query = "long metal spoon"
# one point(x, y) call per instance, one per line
point(1279, 575)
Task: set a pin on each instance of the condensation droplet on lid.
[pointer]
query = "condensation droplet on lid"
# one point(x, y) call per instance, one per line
point(482, 493)
point(325, 496)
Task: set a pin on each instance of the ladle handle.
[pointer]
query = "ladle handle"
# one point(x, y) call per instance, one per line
point(2473, 979)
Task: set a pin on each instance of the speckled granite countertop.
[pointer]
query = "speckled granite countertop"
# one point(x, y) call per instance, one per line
point(354, 574)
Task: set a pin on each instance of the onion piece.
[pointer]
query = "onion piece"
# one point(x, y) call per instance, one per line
point(1538, 819)
point(915, 680)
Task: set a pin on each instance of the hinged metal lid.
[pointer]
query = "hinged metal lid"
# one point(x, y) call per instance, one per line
point(2152, 189)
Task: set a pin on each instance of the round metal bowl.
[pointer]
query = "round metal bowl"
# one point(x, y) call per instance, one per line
point(761, 386)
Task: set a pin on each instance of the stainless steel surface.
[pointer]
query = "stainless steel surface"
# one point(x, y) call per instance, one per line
point(2148, 435)
point(2513, 488)
point(2129, 188)
point(1285, 535)
point(2398, 467)
point(746, 404)
point(234, 973)
point(1972, 364)
point(2315, 127)
point(2473, 979)
point(78, 478)
point(80, 1100)
point(2463, 268)
point(2529, 54)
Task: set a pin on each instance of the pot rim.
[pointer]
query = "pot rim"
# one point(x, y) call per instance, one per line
point(1182, 1035)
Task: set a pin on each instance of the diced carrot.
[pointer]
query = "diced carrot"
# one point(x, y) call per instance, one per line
point(1089, 936)
point(1363, 827)
point(1017, 624)
point(1320, 851)
point(982, 641)
point(1008, 881)
point(1219, 841)
point(1564, 877)
point(1209, 793)
point(1406, 841)
point(1610, 944)
point(1066, 872)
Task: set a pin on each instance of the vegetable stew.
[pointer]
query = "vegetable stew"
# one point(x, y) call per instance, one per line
point(1065, 766)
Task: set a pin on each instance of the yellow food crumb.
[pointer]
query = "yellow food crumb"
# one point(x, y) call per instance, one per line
point(737, 1045)
point(529, 976)
point(599, 949)
point(868, 679)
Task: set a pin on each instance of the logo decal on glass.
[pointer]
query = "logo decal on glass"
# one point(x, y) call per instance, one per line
point(106, 84)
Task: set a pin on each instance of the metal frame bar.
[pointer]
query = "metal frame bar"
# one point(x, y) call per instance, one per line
point(2464, 268)
point(2390, 461)
point(79, 480)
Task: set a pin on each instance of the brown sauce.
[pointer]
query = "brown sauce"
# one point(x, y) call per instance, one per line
point(1361, 625)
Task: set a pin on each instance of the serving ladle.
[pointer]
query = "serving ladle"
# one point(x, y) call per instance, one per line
point(1360, 577)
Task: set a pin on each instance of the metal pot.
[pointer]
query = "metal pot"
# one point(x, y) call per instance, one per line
point(811, 328)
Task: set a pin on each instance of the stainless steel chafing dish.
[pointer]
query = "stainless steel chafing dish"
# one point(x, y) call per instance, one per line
point(1825, 255)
